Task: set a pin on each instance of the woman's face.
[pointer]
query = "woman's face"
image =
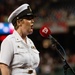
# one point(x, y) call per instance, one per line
point(26, 26)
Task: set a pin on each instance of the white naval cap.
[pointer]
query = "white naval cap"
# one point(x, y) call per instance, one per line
point(20, 12)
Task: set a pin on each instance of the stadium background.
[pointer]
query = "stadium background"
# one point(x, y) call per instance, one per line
point(59, 15)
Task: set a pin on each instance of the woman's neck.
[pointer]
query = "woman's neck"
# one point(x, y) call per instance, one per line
point(22, 35)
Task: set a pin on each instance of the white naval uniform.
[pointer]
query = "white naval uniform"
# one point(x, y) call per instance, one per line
point(16, 53)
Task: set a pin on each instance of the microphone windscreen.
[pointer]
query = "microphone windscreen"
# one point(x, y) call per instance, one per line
point(45, 31)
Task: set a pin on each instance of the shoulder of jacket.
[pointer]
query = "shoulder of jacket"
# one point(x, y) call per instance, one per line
point(31, 42)
point(29, 39)
point(9, 37)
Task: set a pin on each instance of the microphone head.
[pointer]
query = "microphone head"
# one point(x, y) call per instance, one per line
point(45, 31)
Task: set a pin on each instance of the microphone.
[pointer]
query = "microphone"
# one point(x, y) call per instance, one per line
point(46, 32)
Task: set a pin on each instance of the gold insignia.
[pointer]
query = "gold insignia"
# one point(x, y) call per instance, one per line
point(30, 9)
point(17, 17)
point(20, 47)
point(33, 47)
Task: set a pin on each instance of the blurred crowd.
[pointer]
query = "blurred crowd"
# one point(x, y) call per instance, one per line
point(53, 66)
point(47, 10)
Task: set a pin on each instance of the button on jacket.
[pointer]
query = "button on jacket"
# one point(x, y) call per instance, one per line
point(19, 55)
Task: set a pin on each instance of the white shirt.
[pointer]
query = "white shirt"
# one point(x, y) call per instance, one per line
point(17, 53)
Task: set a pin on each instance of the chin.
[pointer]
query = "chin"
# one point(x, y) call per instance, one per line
point(30, 32)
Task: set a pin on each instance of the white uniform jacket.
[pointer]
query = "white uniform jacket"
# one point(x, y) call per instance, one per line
point(16, 53)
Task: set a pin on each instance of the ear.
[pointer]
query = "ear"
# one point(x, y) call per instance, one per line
point(18, 22)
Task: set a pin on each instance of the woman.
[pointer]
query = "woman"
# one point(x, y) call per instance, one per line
point(18, 54)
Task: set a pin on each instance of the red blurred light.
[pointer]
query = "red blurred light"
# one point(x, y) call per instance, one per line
point(2, 37)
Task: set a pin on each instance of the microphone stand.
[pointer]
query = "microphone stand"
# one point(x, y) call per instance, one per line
point(66, 66)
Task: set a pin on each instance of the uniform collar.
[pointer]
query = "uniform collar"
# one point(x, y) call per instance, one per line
point(17, 36)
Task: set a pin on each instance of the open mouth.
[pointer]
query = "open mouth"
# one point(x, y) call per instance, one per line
point(32, 27)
